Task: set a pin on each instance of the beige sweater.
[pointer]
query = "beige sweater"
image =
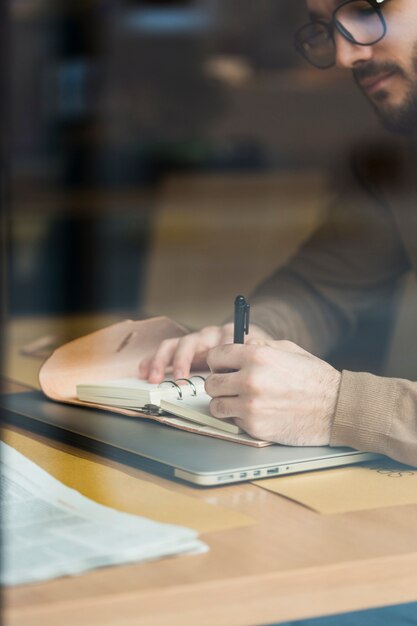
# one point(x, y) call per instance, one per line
point(351, 263)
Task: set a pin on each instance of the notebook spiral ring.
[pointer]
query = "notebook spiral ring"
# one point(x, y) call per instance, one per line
point(197, 376)
point(190, 382)
point(174, 383)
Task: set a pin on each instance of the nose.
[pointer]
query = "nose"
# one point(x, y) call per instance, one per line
point(349, 54)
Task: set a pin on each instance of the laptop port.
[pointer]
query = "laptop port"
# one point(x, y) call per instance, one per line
point(243, 475)
point(272, 470)
point(257, 473)
point(225, 477)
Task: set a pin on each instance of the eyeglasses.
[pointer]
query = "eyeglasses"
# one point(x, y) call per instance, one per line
point(359, 21)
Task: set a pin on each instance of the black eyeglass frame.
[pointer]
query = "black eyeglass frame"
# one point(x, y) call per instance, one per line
point(330, 26)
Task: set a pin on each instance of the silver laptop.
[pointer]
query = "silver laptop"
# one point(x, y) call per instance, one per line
point(163, 450)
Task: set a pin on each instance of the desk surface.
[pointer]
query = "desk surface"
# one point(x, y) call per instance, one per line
point(293, 563)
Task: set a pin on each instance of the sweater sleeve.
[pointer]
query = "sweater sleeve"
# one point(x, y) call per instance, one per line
point(377, 414)
point(349, 265)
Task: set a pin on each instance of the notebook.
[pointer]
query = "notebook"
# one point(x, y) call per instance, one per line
point(185, 398)
point(111, 355)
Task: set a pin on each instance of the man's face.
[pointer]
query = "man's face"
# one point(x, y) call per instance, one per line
point(386, 72)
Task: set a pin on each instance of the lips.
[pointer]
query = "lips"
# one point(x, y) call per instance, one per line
point(375, 82)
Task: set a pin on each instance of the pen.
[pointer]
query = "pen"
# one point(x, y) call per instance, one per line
point(241, 322)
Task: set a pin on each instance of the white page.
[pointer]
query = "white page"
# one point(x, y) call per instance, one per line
point(197, 409)
point(49, 530)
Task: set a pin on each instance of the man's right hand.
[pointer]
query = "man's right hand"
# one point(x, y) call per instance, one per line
point(183, 353)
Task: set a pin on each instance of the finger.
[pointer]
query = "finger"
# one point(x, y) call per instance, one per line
point(144, 367)
point(225, 407)
point(227, 384)
point(184, 355)
point(239, 421)
point(228, 357)
point(161, 359)
point(226, 334)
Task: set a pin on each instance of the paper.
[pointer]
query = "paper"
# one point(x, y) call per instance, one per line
point(120, 490)
point(49, 530)
point(372, 485)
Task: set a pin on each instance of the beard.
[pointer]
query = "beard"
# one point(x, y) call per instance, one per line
point(401, 118)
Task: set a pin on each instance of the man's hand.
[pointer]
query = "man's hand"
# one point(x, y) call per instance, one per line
point(190, 351)
point(278, 392)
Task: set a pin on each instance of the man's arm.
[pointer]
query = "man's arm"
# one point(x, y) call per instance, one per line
point(348, 266)
point(378, 415)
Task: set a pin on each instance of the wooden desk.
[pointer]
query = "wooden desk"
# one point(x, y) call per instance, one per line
point(293, 563)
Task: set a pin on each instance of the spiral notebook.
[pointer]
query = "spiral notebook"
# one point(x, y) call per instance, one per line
point(184, 397)
point(97, 362)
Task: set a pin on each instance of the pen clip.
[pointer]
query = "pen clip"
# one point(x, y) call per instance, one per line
point(246, 322)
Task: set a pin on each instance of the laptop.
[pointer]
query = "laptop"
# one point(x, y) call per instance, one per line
point(166, 451)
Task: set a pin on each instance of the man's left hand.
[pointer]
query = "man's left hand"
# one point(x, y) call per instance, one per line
point(275, 391)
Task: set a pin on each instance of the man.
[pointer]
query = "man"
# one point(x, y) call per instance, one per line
point(276, 385)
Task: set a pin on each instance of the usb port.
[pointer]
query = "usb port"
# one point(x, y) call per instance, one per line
point(257, 473)
point(225, 477)
point(272, 470)
point(243, 475)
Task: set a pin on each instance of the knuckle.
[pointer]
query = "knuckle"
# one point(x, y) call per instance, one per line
point(250, 407)
point(252, 384)
point(209, 334)
point(165, 349)
point(183, 342)
point(169, 342)
point(208, 331)
point(285, 344)
point(257, 354)
point(263, 353)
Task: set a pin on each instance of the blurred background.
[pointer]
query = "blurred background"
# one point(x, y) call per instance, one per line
point(167, 155)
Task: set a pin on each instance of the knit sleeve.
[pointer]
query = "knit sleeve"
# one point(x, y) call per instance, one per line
point(377, 414)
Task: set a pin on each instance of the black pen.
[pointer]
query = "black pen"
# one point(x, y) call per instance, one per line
point(241, 327)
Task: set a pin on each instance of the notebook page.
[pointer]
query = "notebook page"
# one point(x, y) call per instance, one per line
point(197, 409)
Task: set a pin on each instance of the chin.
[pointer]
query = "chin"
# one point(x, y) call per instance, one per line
point(400, 118)
point(396, 122)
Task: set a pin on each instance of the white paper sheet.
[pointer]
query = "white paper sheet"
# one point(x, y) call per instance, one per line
point(49, 530)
